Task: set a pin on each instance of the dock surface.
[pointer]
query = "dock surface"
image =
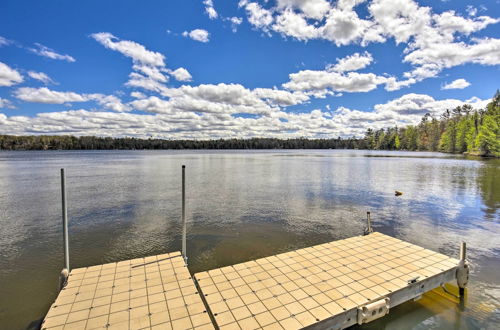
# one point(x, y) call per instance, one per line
point(322, 286)
point(155, 292)
point(331, 285)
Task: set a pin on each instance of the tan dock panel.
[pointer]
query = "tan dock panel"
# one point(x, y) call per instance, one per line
point(155, 292)
point(303, 287)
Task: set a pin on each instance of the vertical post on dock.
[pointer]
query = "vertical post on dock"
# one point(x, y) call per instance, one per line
point(184, 229)
point(65, 219)
point(368, 228)
point(462, 271)
point(65, 272)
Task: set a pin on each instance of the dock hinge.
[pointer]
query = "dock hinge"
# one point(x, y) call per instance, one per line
point(373, 311)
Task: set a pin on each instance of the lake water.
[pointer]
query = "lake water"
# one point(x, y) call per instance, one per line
point(243, 205)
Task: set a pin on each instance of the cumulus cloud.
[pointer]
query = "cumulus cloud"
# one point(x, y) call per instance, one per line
point(152, 72)
point(40, 76)
point(137, 52)
point(138, 80)
point(257, 16)
point(198, 35)
point(182, 118)
point(209, 9)
point(149, 68)
point(181, 74)
point(48, 96)
point(352, 62)
point(45, 95)
point(44, 51)
point(138, 95)
point(457, 84)
point(322, 82)
point(433, 41)
point(9, 76)
point(311, 8)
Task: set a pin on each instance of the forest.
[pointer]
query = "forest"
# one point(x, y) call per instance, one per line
point(459, 130)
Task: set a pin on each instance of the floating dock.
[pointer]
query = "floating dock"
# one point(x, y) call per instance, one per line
point(332, 285)
point(327, 286)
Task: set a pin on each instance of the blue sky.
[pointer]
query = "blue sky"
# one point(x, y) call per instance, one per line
point(211, 69)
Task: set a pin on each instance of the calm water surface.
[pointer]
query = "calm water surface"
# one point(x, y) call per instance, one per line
point(244, 205)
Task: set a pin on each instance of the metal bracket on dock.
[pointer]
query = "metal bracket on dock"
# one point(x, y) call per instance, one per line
point(373, 311)
point(63, 278)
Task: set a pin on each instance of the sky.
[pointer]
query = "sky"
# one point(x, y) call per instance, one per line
point(207, 69)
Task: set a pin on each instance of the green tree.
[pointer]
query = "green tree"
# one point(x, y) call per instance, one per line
point(488, 138)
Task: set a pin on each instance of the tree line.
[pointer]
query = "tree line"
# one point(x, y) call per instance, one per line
point(67, 142)
point(460, 130)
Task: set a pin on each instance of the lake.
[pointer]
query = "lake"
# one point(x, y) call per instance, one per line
point(243, 205)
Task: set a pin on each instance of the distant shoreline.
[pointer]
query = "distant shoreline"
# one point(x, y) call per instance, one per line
point(94, 143)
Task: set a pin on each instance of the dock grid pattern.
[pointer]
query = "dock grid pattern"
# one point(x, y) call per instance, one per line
point(155, 292)
point(287, 291)
point(303, 287)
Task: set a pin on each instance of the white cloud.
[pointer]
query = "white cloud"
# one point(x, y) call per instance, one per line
point(9, 76)
point(209, 112)
point(433, 41)
point(111, 102)
point(235, 22)
point(311, 8)
point(137, 52)
point(138, 95)
point(47, 96)
point(344, 27)
point(41, 77)
point(145, 82)
point(280, 97)
point(152, 72)
point(257, 16)
point(457, 84)
point(446, 55)
point(4, 41)
point(322, 83)
point(352, 62)
point(152, 104)
point(295, 25)
point(419, 104)
point(198, 35)
point(44, 51)
point(209, 9)
point(181, 74)
point(6, 104)
point(471, 10)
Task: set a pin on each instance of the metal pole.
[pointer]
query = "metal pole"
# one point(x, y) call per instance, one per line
point(463, 271)
point(463, 249)
point(184, 229)
point(65, 220)
point(368, 228)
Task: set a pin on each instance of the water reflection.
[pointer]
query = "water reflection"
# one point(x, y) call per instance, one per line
point(241, 206)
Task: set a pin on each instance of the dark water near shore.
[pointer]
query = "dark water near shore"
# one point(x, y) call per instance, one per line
point(243, 205)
